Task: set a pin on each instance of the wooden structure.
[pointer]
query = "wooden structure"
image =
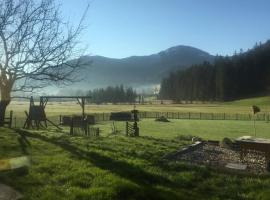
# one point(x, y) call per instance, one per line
point(248, 143)
point(8, 120)
point(133, 129)
point(37, 112)
point(36, 116)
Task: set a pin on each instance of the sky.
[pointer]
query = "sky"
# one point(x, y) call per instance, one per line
point(122, 28)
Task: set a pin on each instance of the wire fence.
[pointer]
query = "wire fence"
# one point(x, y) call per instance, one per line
point(192, 116)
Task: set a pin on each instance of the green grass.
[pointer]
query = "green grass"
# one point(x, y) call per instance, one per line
point(119, 167)
point(259, 101)
point(116, 167)
point(207, 129)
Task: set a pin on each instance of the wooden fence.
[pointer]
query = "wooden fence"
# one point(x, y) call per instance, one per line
point(19, 121)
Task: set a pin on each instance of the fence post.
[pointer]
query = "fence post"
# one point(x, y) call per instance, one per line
point(178, 115)
point(200, 115)
point(15, 122)
point(167, 115)
point(126, 128)
point(10, 119)
point(188, 115)
point(103, 116)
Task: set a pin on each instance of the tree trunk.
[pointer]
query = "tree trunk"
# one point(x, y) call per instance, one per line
point(3, 106)
point(4, 102)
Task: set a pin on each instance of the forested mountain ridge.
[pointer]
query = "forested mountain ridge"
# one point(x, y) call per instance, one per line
point(139, 71)
point(245, 74)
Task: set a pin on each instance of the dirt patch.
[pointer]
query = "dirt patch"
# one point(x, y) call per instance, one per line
point(162, 119)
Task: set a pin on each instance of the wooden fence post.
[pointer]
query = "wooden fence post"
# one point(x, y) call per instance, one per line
point(10, 119)
point(126, 128)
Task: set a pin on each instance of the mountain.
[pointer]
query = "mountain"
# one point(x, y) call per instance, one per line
point(139, 71)
point(243, 75)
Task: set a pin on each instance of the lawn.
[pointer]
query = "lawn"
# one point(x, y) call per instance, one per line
point(119, 167)
point(206, 129)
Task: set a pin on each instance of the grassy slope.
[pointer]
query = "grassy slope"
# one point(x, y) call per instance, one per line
point(116, 167)
point(260, 101)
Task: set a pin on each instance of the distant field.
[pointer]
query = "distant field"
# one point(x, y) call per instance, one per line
point(57, 108)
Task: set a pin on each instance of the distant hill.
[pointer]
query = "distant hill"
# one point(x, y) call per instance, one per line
point(139, 71)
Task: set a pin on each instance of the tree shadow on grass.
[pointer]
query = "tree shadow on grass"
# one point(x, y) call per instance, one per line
point(120, 168)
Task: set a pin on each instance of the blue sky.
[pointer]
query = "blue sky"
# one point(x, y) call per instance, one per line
point(122, 28)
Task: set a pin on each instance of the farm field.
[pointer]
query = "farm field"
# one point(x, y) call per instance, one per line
point(116, 167)
point(57, 108)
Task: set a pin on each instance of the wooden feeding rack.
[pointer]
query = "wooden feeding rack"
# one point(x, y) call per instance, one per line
point(248, 143)
point(37, 112)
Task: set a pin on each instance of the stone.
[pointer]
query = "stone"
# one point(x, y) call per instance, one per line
point(8, 193)
point(237, 166)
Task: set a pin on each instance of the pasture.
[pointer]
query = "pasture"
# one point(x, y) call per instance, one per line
point(113, 166)
point(67, 107)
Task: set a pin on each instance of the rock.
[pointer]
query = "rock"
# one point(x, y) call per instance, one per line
point(226, 143)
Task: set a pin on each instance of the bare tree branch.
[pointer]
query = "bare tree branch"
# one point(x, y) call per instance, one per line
point(36, 45)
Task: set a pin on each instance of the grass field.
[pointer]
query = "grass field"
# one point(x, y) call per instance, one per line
point(206, 129)
point(116, 167)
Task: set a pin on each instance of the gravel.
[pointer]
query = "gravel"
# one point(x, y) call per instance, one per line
point(217, 156)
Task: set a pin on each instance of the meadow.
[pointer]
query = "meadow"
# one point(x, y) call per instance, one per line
point(114, 166)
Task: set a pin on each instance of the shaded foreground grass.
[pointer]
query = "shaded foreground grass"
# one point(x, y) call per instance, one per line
point(116, 167)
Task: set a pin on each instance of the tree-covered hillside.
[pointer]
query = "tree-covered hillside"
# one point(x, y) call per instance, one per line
point(245, 74)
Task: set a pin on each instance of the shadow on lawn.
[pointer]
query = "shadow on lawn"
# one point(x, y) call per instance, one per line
point(121, 168)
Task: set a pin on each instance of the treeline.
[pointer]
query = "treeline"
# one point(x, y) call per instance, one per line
point(245, 74)
point(117, 94)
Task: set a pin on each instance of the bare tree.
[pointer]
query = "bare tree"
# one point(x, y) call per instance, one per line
point(35, 45)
